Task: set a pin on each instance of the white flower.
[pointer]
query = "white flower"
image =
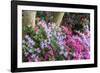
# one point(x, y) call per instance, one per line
point(26, 53)
point(66, 54)
point(45, 45)
point(31, 42)
point(29, 25)
point(29, 39)
point(61, 52)
point(60, 43)
point(46, 29)
point(33, 56)
point(38, 50)
point(62, 47)
point(57, 37)
point(23, 41)
point(59, 29)
point(58, 33)
point(30, 46)
point(62, 37)
point(49, 24)
point(48, 41)
point(74, 54)
point(26, 36)
point(42, 44)
point(30, 50)
point(45, 41)
point(71, 53)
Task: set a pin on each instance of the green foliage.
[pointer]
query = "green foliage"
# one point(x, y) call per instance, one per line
point(29, 30)
point(36, 36)
point(53, 43)
point(59, 57)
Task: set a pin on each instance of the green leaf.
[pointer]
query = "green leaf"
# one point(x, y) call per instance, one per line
point(54, 44)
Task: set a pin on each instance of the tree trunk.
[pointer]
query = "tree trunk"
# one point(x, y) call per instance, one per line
point(29, 18)
point(58, 18)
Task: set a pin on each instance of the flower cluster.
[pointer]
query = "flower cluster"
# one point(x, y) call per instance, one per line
point(49, 42)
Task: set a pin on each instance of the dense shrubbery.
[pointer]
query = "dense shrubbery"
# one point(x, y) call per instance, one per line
point(49, 42)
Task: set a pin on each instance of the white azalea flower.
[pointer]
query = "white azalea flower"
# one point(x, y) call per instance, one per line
point(26, 36)
point(61, 52)
point(26, 53)
point(33, 55)
point(62, 47)
point(30, 50)
point(29, 25)
point(65, 54)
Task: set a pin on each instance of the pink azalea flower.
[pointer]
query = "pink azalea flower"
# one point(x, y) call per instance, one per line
point(65, 29)
point(29, 59)
point(51, 52)
point(36, 59)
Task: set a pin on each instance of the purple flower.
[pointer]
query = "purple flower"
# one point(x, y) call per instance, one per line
point(36, 59)
point(29, 59)
point(58, 33)
point(33, 56)
point(30, 46)
point(60, 43)
point(42, 44)
point(31, 42)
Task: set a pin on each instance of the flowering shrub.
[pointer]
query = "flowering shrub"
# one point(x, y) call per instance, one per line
point(48, 42)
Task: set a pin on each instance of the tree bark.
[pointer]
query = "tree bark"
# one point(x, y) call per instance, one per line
point(58, 18)
point(29, 18)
